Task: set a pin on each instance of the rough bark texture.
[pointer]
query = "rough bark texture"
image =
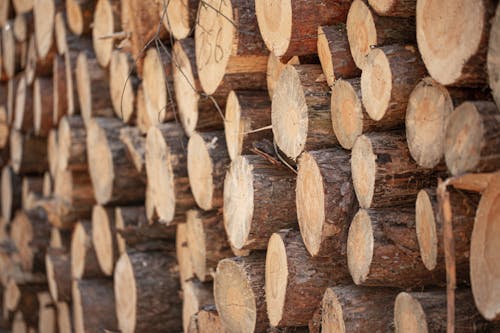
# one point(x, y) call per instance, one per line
point(11, 192)
point(60, 287)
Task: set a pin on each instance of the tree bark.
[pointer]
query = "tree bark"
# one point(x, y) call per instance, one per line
point(72, 151)
point(11, 192)
point(493, 54)
point(43, 107)
point(31, 191)
point(104, 238)
point(58, 265)
point(106, 21)
point(60, 91)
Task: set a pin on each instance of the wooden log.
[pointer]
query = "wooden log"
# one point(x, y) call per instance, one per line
point(11, 193)
point(197, 112)
point(209, 321)
point(295, 282)
point(397, 8)
point(382, 250)
point(383, 172)
point(289, 29)
point(122, 85)
point(36, 65)
point(60, 239)
point(275, 68)
point(239, 294)
point(136, 148)
point(6, 11)
point(325, 201)
point(195, 295)
point(22, 6)
point(58, 266)
point(30, 232)
point(84, 263)
point(43, 107)
point(471, 138)
point(4, 126)
point(93, 88)
point(143, 121)
point(365, 29)
point(93, 306)
point(44, 14)
point(60, 91)
point(23, 114)
point(427, 312)
point(234, 50)
point(207, 242)
point(53, 152)
point(18, 323)
point(23, 26)
point(47, 322)
point(301, 110)
point(335, 54)
point(454, 54)
point(166, 167)
point(180, 16)
point(357, 309)
point(11, 51)
point(183, 254)
point(48, 187)
point(492, 57)
point(248, 113)
point(146, 287)
point(104, 239)
point(114, 177)
point(64, 320)
point(207, 162)
point(23, 298)
point(79, 15)
point(60, 33)
point(429, 228)
point(107, 21)
point(252, 213)
point(28, 153)
point(389, 75)
point(11, 97)
point(31, 191)
point(72, 149)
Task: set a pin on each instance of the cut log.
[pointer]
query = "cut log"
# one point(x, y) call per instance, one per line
point(252, 211)
point(104, 239)
point(471, 139)
point(93, 88)
point(60, 33)
point(23, 114)
point(493, 57)
point(295, 282)
point(23, 26)
point(484, 266)
point(247, 120)
point(31, 191)
point(239, 294)
point(72, 149)
point(53, 152)
point(4, 126)
point(207, 242)
point(84, 263)
point(71, 84)
point(28, 154)
point(429, 227)
point(11, 97)
point(209, 320)
point(30, 233)
point(36, 65)
point(366, 29)
point(289, 27)
point(382, 250)
point(196, 111)
point(143, 121)
point(122, 85)
point(107, 21)
point(60, 91)
point(180, 16)
point(207, 162)
point(357, 309)
point(427, 312)
point(48, 187)
point(18, 323)
point(11, 51)
point(274, 69)
point(58, 266)
point(166, 167)
point(24, 298)
point(44, 13)
point(79, 15)
point(383, 172)
point(64, 322)
point(195, 295)
point(301, 110)
point(335, 54)
point(389, 75)
point(325, 201)
point(46, 313)
point(60, 239)
point(229, 45)
point(146, 292)
point(6, 11)
point(398, 8)
point(114, 176)
point(94, 306)
point(136, 148)
point(22, 6)
point(183, 254)
point(43, 107)
point(454, 46)
point(11, 193)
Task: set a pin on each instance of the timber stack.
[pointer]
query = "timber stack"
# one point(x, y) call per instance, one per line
point(249, 166)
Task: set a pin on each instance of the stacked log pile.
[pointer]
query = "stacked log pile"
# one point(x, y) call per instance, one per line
point(250, 166)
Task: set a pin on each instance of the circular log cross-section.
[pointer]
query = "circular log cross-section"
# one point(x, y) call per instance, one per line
point(79, 15)
point(252, 211)
point(28, 153)
point(397, 8)
point(154, 84)
point(180, 17)
point(84, 263)
point(325, 200)
point(274, 69)
point(207, 161)
point(239, 294)
point(121, 86)
point(104, 239)
point(183, 254)
point(44, 13)
point(72, 151)
point(106, 22)
point(471, 140)
point(301, 110)
point(493, 56)
point(453, 46)
point(195, 295)
point(23, 112)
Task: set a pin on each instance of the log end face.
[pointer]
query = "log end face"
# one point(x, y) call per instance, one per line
point(196, 240)
point(493, 58)
point(360, 246)
point(51, 279)
point(276, 278)
point(64, 143)
point(177, 19)
point(83, 87)
point(363, 168)
point(78, 318)
point(376, 84)
point(74, 17)
point(122, 93)
point(12, 295)
point(425, 223)
point(103, 239)
point(7, 194)
point(79, 241)
point(325, 57)
point(16, 150)
point(154, 87)
point(60, 33)
point(233, 126)
point(409, 315)
point(275, 24)
point(44, 13)
point(20, 102)
point(361, 32)
point(22, 234)
point(37, 107)
point(332, 317)
point(125, 294)
point(200, 171)
point(103, 26)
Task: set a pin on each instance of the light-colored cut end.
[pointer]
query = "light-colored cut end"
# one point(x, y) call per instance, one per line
point(12, 295)
point(49, 267)
point(154, 87)
point(64, 144)
point(275, 24)
point(47, 185)
point(9, 50)
point(376, 84)
point(347, 113)
point(238, 202)
point(494, 57)
point(289, 113)
point(233, 126)
point(60, 33)
point(83, 87)
point(22, 6)
point(310, 201)
point(448, 34)
point(7, 193)
point(360, 246)
point(325, 57)
point(177, 20)
point(78, 320)
point(332, 316)
point(274, 69)
point(409, 317)
point(485, 252)
point(53, 153)
point(361, 32)
point(125, 294)
point(79, 242)
point(18, 324)
point(426, 230)
point(234, 297)
point(103, 26)
point(20, 28)
point(100, 160)
point(196, 240)
point(200, 170)
point(16, 150)
point(46, 313)
point(44, 13)
point(120, 225)
point(37, 106)
point(63, 317)
point(276, 278)
point(120, 84)
point(103, 239)
point(20, 106)
point(363, 168)
point(183, 253)
point(75, 16)
point(214, 49)
point(4, 127)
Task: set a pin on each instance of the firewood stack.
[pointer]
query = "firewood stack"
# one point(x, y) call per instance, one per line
point(250, 166)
